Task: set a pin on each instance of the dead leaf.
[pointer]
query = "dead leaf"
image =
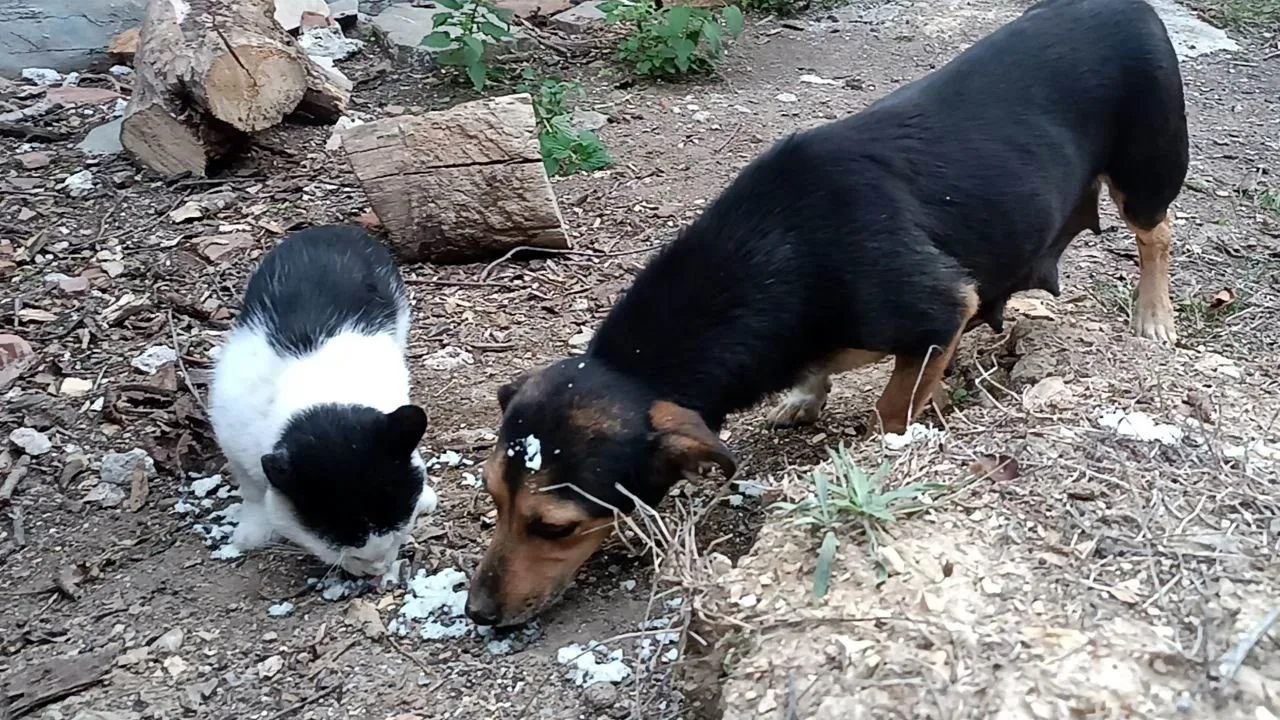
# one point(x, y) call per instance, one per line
point(213, 247)
point(139, 488)
point(81, 95)
point(188, 212)
point(1047, 391)
point(1000, 468)
point(1222, 298)
point(1030, 307)
point(1127, 591)
point(1198, 406)
point(36, 315)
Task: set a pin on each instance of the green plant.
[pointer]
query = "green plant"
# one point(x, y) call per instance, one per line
point(1269, 200)
point(780, 8)
point(565, 149)
point(465, 33)
point(1262, 15)
point(849, 496)
point(671, 42)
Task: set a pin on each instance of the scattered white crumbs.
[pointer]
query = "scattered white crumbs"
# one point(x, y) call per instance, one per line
point(334, 589)
point(1140, 426)
point(202, 487)
point(450, 458)
point(532, 453)
point(628, 585)
point(915, 434)
point(226, 552)
point(470, 480)
point(437, 603)
point(284, 609)
point(593, 664)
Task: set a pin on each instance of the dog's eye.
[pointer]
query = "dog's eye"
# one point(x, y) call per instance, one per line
point(547, 531)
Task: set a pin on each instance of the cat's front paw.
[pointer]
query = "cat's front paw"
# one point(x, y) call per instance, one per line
point(253, 532)
point(427, 501)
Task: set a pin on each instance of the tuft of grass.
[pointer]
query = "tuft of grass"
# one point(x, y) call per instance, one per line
point(565, 149)
point(1114, 296)
point(850, 497)
point(1269, 200)
point(1256, 15)
point(674, 42)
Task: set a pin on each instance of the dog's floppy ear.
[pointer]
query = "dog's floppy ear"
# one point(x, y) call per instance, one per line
point(508, 391)
point(684, 439)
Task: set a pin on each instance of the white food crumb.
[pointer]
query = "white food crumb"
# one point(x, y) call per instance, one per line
point(916, 433)
point(226, 552)
point(204, 486)
point(470, 480)
point(628, 585)
point(429, 593)
point(432, 630)
point(587, 669)
point(1139, 425)
point(533, 453)
point(284, 609)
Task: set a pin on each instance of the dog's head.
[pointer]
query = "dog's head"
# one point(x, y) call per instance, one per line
point(577, 442)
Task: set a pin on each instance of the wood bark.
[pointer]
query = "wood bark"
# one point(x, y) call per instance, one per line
point(459, 185)
point(211, 71)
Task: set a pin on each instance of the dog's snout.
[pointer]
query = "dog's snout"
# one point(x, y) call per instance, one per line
point(482, 609)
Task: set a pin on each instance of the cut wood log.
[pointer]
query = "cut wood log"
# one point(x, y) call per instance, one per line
point(460, 185)
point(211, 71)
point(124, 47)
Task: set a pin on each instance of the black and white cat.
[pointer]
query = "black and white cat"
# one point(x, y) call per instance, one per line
point(310, 403)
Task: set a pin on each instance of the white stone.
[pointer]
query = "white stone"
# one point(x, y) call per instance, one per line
point(31, 441)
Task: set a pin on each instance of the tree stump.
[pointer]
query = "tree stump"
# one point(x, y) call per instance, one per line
point(460, 185)
point(211, 71)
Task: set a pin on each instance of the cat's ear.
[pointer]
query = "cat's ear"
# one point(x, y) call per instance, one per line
point(405, 427)
point(278, 469)
point(508, 391)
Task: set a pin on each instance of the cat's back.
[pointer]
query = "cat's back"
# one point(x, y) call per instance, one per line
point(320, 282)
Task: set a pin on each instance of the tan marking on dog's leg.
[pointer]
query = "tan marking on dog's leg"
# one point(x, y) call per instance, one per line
point(1153, 310)
point(802, 405)
point(915, 380)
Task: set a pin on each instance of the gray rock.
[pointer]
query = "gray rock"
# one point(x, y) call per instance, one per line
point(589, 119)
point(62, 34)
point(117, 468)
point(105, 494)
point(578, 18)
point(406, 26)
point(103, 140)
point(32, 441)
point(1032, 368)
point(600, 696)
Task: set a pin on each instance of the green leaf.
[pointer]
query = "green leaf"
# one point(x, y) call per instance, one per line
point(497, 32)
point(440, 19)
point(678, 18)
point(473, 49)
point(826, 559)
point(450, 4)
point(733, 20)
point(506, 15)
point(454, 57)
point(438, 40)
point(684, 48)
point(477, 73)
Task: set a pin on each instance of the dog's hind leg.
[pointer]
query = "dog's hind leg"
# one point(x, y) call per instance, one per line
point(916, 378)
point(803, 403)
point(1144, 175)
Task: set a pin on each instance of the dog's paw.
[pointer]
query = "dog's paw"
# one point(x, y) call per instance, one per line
point(795, 409)
point(1154, 321)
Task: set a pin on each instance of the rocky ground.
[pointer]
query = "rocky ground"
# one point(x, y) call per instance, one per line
point(1126, 568)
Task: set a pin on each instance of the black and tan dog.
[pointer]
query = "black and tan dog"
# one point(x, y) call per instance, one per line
point(890, 232)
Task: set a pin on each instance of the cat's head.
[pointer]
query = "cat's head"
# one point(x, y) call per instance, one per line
point(347, 484)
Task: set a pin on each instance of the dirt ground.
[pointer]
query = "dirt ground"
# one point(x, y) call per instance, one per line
point(1110, 579)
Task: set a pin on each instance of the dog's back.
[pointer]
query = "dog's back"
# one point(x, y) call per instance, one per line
point(868, 232)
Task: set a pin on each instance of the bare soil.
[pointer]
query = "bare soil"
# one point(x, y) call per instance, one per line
point(1107, 580)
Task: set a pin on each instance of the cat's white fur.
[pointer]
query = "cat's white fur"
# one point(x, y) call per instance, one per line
point(254, 394)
